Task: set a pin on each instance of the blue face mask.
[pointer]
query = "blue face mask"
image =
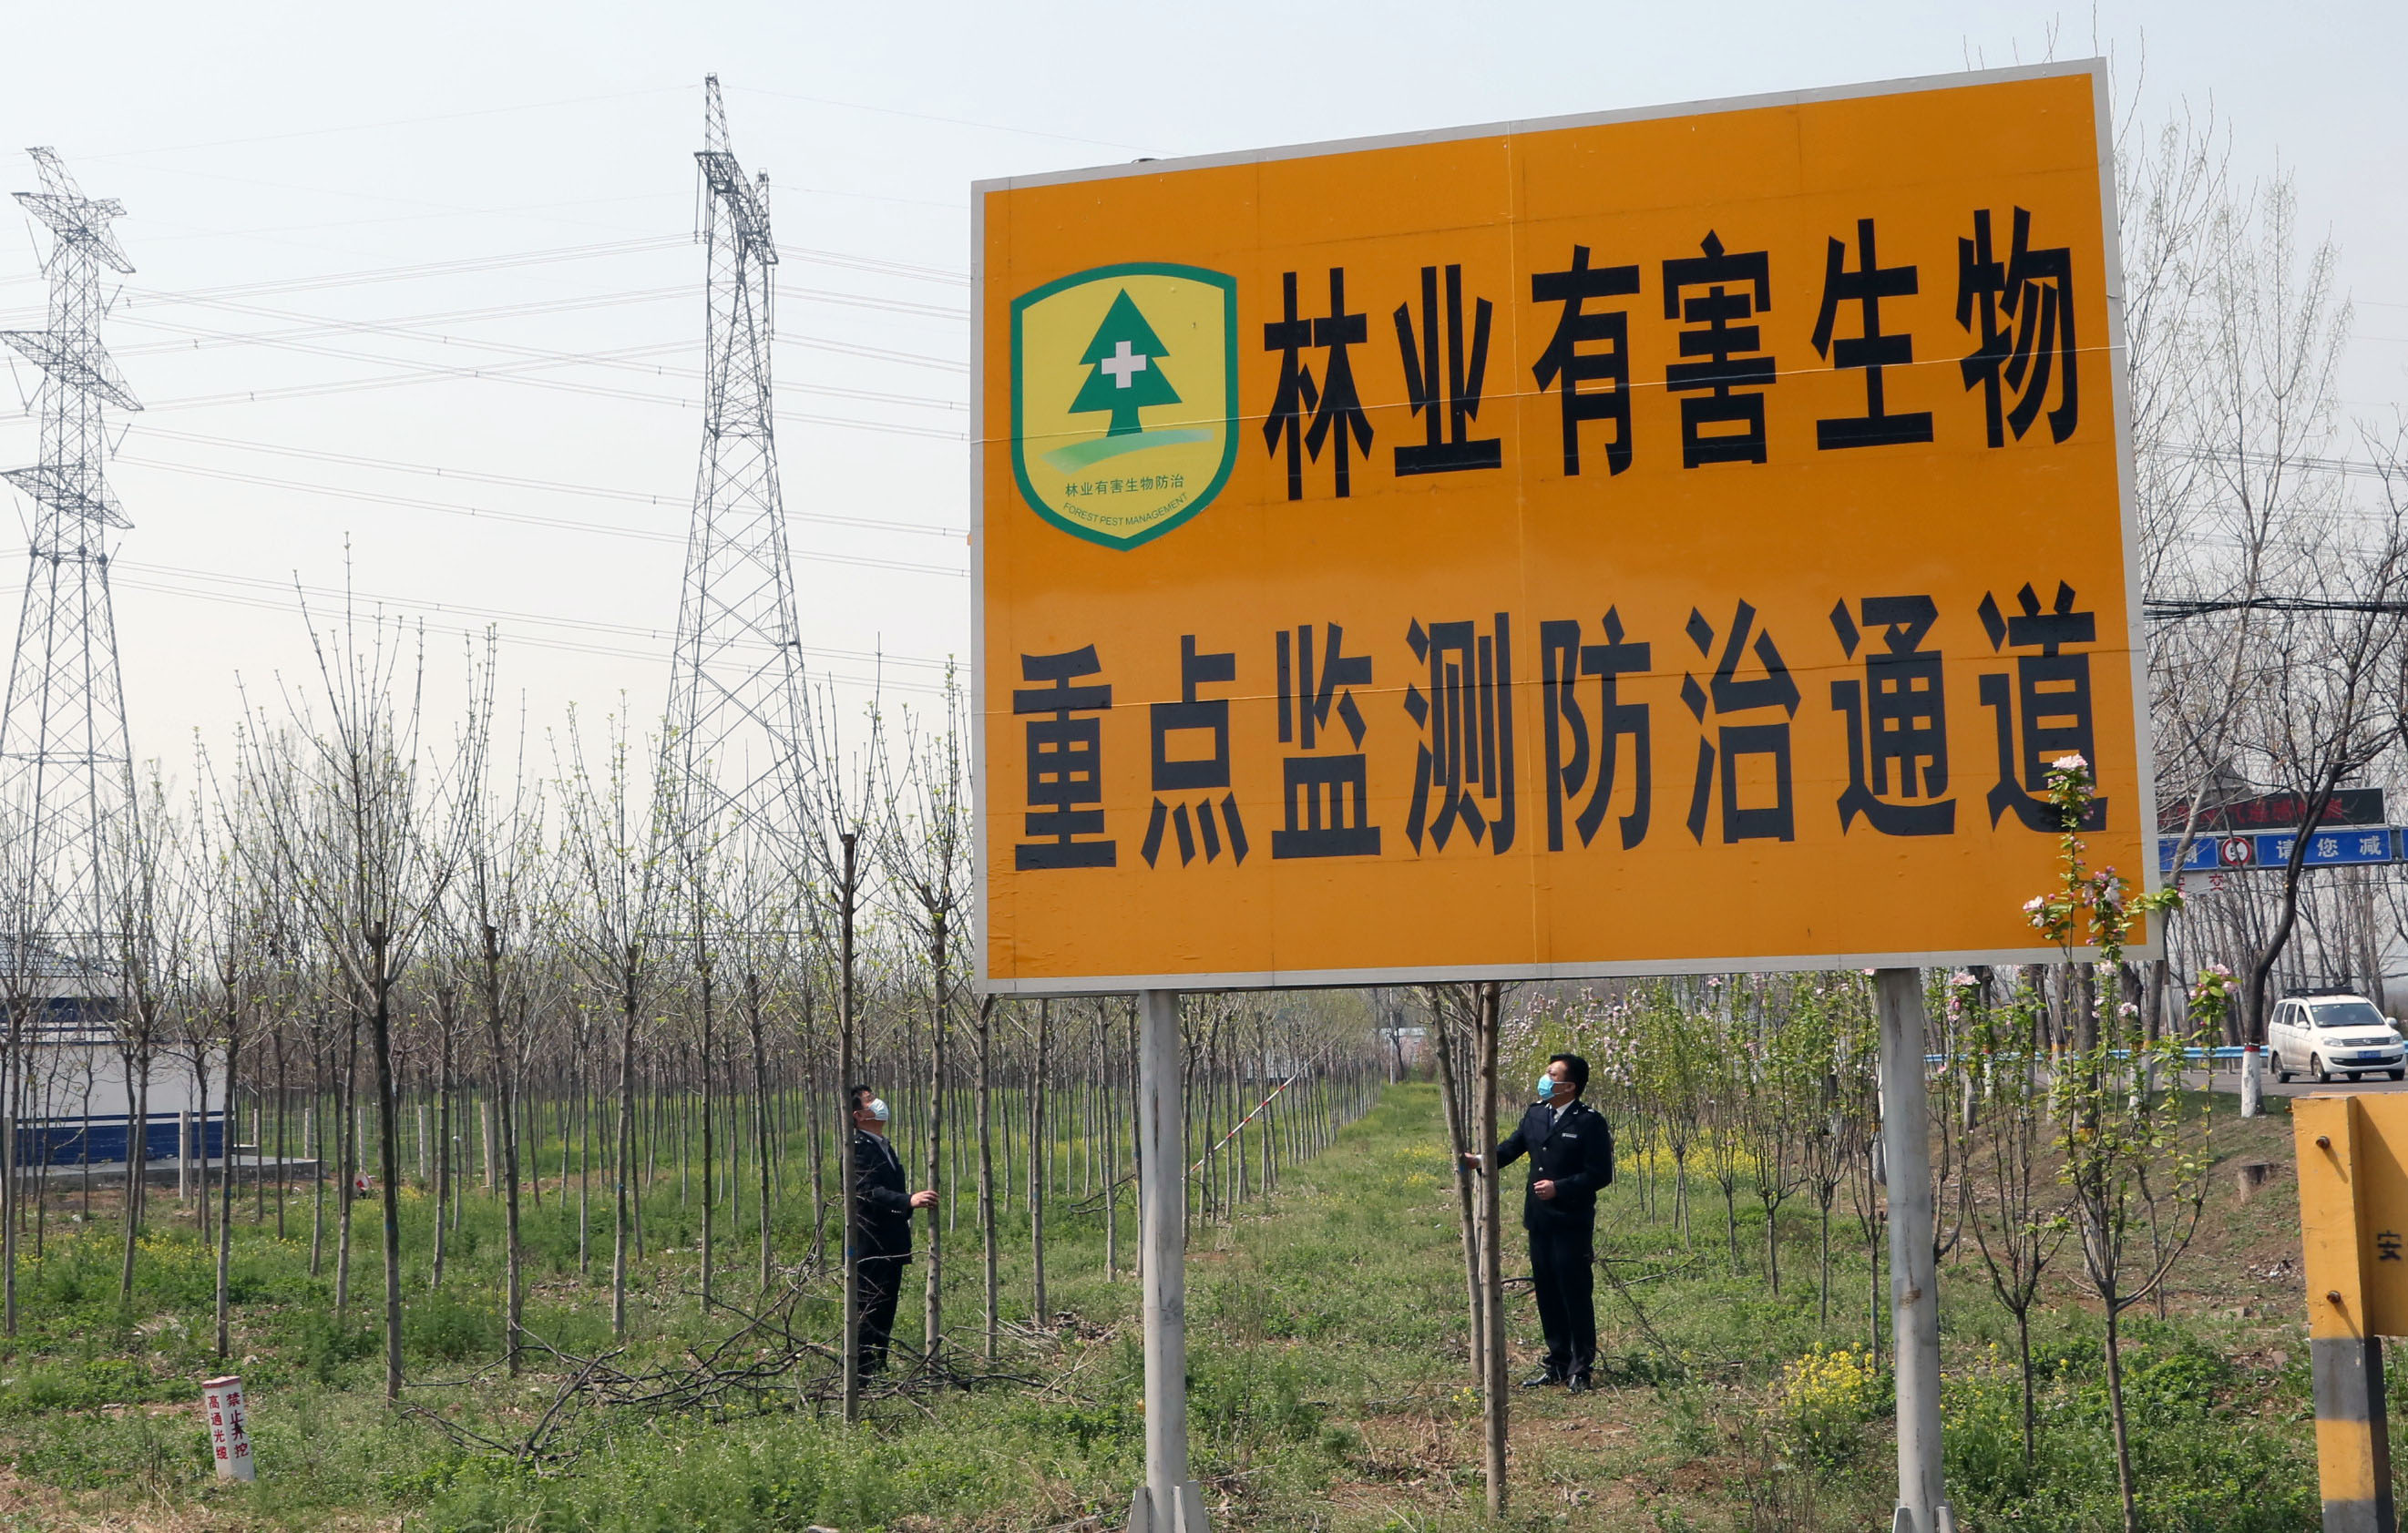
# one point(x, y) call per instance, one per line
point(1546, 1088)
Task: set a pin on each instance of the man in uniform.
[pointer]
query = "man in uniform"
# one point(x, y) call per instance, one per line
point(883, 1218)
point(1571, 1155)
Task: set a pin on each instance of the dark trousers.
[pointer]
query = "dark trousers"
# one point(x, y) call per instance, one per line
point(1561, 1268)
point(878, 1283)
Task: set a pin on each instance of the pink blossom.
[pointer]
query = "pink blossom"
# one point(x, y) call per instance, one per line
point(2070, 763)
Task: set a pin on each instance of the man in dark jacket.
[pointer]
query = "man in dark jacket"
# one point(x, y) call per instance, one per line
point(1571, 1155)
point(883, 1211)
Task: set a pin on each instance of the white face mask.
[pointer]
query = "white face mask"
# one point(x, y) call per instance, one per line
point(878, 1108)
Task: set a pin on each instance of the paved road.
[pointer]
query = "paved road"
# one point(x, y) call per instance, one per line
point(2230, 1080)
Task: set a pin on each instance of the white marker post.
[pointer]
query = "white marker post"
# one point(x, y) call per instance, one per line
point(1168, 1501)
point(1914, 1283)
point(222, 1407)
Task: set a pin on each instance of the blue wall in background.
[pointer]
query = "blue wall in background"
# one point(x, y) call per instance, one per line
point(72, 1142)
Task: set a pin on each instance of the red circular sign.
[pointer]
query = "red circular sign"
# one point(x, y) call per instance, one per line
point(2237, 852)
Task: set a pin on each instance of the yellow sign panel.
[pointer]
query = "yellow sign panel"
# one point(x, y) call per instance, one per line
point(1666, 541)
point(2354, 1210)
point(2354, 1243)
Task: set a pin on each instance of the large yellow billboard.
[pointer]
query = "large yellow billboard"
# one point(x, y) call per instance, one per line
point(1667, 540)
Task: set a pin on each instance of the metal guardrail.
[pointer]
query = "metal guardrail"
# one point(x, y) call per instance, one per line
point(2221, 1052)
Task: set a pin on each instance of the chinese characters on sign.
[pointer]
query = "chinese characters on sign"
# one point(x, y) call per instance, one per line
point(1890, 710)
point(1675, 540)
point(222, 1407)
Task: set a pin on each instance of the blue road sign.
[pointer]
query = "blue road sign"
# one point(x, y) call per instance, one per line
point(2341, 847)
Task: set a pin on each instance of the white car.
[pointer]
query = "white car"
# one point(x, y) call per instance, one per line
point(2334, 1034)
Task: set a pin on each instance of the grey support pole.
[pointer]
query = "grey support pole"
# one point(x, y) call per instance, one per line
point(1913, 1292)
point(1168, 1501)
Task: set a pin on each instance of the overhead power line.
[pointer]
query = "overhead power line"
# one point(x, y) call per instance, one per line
point(640, 497)
point(138, 298)
point(518, 373)
point(2174, 609)
point(528, 519)
point(393, 122)
point(2353, 468)
point(288, 596)
point(261, 602)
point(627, 358)
point(416, 326)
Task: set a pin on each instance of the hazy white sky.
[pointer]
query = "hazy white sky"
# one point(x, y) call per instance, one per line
point(375, 243)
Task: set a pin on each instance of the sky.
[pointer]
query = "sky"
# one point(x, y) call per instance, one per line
point(417, 307)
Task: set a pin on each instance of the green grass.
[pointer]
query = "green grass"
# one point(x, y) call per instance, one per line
point(1328, 1392)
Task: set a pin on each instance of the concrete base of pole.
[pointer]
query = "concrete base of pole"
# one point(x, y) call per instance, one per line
point(2253, 1081)
point(1184, 1514)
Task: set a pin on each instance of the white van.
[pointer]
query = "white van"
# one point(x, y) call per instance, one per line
point(2333, 1033)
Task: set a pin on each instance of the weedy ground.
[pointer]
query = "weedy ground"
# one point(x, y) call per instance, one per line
point(1330, 1381)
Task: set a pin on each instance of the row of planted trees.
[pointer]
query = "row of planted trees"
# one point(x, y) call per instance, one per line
point(2063, 1145)
point(437, 972)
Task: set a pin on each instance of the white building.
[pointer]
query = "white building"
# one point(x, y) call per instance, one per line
point(80, 1086)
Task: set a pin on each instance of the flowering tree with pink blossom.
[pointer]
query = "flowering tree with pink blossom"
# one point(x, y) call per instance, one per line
point(2133, 1155)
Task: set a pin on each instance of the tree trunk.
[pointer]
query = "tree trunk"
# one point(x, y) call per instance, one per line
point(760, 1119)
point(2116, 1409)
point(985, 1109)
point(12, 1077)
point(443, 1087)
point(623, 1152)
point(1038, 1145)
point(939, 1011)
point(1491, 1257)
point(138, 1163)
point(283, 1144)
point(347, 1150)
point(225, 1182)
point(1466, 1199)
point(710, 1112)
point(514, 1276)
point(388, 1165)
point(2024, 1358)
point(846, 1021)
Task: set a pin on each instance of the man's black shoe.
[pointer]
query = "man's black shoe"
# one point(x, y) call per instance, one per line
point(1541, 1379)
point(1579, 1384)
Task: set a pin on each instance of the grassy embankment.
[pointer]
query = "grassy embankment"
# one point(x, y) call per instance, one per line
point(1328, 1382)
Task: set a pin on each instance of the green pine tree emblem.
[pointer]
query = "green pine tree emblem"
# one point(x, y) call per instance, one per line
point(1124, 374)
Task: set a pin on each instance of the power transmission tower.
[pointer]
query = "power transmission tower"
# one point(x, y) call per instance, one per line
point(733, 756)
point(65, 766)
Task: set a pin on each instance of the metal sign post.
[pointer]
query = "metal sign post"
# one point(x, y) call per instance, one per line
point(1914, 1284)
point(2353, 1228)
point(1168, 1501)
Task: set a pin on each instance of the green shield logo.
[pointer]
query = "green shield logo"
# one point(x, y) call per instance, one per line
point(1124, 398)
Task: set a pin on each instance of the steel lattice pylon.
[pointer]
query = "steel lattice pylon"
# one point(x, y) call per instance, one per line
point(732, 756)
point(65, 766)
